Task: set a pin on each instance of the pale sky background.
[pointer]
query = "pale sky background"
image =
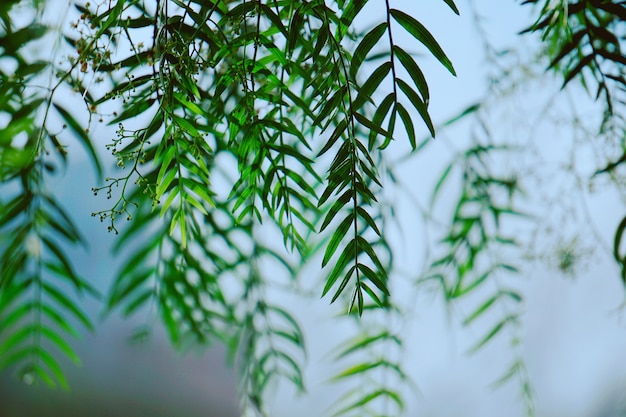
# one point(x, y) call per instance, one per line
point(574, 336)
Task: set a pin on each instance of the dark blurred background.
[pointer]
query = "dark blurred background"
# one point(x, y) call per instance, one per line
point(118, 378)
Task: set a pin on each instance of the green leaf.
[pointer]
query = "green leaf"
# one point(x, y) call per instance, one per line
point(139, 22)
point(42, 374)
point(344, 283)
point(186, 126)
point(295, 26)
point(480, 310)
point(372, 295)
point(365, 46)
point(358, 297)
point(165, 168)
point(368, 219)
point(343, 157)
point(133, 110)
point(11, 44)
point(16, 338)
point(276, 21)
point(61, 344)
point(417, 103)
point(15, 316)
point(140, 299)
point(408, 124)
point(112, 15)
point(619, 233)
point(192, 107)
point(371, 125)
point(291, 151)
point(83, 137)
point(330, 106)
point(493, 332)
point(472, 108)
point(16, 356)
point(302, 183)
point(365, 246)
point(341, 127)
point(577, 69)
point(414, 71)
point(68, 222)
point(335, 208)
point(371, 174)
point(10, 293)
point(359, 369)
point(442, 179)
point(568, 47)
point(338, 235)
point(379, 116)
point(68, 304)
point(200, 190)
point(59, 320)
point(125, 86)
point(284, 314)
point(174, 192)
point(419, 32)
point(123, 288)
point(65, 268)
point(451, 4)
point(374, 277)
point(363, 400)
point(347, 254)
point(512, 371)
point(368, 88)
point(54, 367)
point(474, 284)
point(362, 342)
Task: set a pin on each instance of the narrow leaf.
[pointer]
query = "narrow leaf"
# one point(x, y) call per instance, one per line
point(347, 254)
point(82, 136)
point(338, 235)
point(417, 103)
point(368, 88)
point(365, 46)
point(451, 4)
point(414, 71)
point(420, 33)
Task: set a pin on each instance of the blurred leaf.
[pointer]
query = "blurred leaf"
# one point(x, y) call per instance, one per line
point(83, 137)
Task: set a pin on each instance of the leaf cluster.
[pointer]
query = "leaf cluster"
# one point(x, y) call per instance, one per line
point(239, 122)
point(373, 367)
point(37, 311)
point(474, 262)
point(584, 35)
point(586, 42)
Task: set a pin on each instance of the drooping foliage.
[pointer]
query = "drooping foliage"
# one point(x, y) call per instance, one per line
point(228, 115)
point(585, 42)
point(250, 141)
point(37, 280)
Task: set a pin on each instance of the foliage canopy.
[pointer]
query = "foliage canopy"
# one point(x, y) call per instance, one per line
point(239, 120)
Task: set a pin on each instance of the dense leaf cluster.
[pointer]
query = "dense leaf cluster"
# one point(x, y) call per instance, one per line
point(251, 140)
point(268, 100)
point(37, 279)
point(586, 41)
